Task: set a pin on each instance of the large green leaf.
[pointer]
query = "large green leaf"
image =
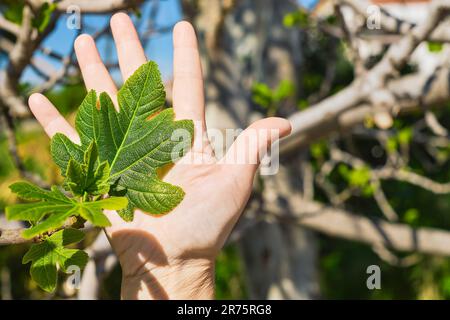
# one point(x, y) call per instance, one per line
point(57, 208)
point(135, 141)
point(45, 257)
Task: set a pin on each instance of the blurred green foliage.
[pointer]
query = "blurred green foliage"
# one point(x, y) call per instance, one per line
point(299, 18)
point(270, 99)
point(230, 281)
point(12, 11)
point(44, 15)
point(67, 98)
point(435, 47)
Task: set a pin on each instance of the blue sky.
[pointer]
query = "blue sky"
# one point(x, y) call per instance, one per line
point(158, 49)
point(308, 3)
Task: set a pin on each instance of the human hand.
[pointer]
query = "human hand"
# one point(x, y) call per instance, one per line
point(171, 256)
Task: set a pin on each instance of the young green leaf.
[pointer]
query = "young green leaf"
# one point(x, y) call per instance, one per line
point(53, 201)
point(57, 207)
point(88, 177)
point(93, 211)
point(63, 150)
point(135, 141)
point(45, 257)
point(28, 191)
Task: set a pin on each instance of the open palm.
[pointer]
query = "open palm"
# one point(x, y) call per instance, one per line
point(216, 190)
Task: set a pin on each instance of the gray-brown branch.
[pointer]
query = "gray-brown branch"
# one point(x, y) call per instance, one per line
point(352, 105)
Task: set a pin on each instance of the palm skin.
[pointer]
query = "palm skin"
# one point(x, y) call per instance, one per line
point(192, 234)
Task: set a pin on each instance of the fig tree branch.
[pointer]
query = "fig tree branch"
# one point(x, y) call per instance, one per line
point(374, 232)
point(360, 99)
point(103, 6)
point(393, 24)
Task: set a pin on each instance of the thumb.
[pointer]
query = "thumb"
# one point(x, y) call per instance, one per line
point(245, 154)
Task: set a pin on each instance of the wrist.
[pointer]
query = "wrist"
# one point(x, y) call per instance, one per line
point(180, 279)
